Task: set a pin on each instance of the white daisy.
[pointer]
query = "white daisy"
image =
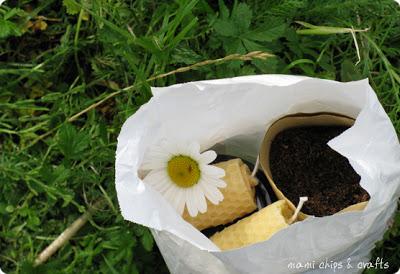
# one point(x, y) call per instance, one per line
point(183, 175)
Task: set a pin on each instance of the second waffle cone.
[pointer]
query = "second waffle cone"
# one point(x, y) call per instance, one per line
point(257, 227)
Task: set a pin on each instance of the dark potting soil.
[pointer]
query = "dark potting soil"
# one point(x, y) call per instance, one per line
point(302, 164)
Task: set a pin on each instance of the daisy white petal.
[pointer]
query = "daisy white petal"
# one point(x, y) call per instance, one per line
point(212, 193)
point(191, 203)
point(214, 181)
point(160, 186)
point(155, 164)
point(155, 160)
point(201, 200)
point(219, 183)
point(213, 171)
point(180, 202)
point(176, 201)
point(180, 148)
point(155, 175)
point(183, 175)
point(207, 157)
point(170, 194)
point(157, 180)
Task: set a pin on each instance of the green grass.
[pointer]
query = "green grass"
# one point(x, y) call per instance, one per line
point(58, 58)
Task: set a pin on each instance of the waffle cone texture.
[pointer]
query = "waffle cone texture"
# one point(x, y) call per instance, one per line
point(257, 227)
point(239, 197)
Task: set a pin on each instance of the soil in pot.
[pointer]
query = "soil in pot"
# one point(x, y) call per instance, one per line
point(302, 164)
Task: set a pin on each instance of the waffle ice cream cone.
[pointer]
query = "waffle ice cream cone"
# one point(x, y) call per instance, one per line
point(239, 197)
point(257, 227)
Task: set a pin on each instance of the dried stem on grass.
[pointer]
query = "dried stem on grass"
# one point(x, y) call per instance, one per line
point(233, 57)
point(66, 235)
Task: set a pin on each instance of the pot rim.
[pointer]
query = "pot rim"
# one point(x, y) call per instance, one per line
point(316, 118)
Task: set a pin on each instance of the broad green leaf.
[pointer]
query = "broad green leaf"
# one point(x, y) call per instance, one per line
point(147, 240)
point(138, 230)
point(12, 12)
point(72, 7)
point(33, 221)
point(270, 65)
point(55, 176)
point(266, 35)
point(223, 9)
point(225, 28)
point(349, 71)
point(8, 28)
point(238, 23)
point(252, 46)
point(242, 15)
point(247, 70)
point(72, 143)
point(186, 56)
point(234, 45)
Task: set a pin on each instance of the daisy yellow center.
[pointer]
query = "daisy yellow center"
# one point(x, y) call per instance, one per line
point(183, 171)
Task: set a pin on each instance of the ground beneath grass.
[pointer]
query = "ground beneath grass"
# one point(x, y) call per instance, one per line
point(71, 72)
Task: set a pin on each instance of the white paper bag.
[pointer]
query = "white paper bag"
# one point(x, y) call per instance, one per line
point(231, 116)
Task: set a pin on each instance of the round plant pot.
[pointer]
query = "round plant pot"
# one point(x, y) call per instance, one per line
point(300, 120)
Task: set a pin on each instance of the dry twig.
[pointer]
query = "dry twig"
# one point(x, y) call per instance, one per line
point(246, 57)
point(66, 235)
